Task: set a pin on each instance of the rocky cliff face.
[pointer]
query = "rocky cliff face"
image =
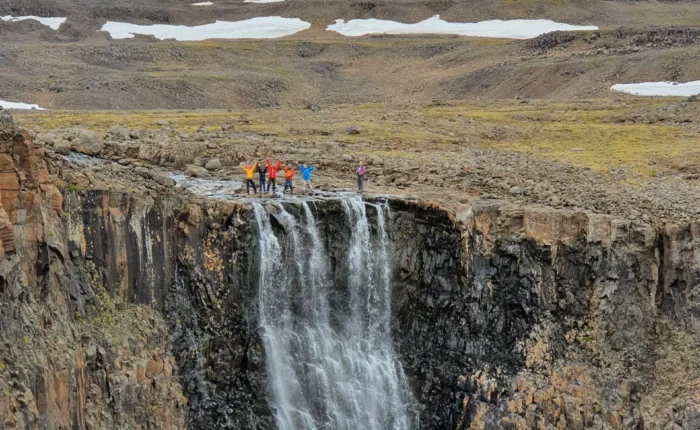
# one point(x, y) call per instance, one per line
point(83, 343)
point(139, 310)
point(531, 318)
point(504, 317)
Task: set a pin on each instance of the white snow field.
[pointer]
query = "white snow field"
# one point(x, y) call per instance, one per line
point(660, 88)
point(13, 105)
point(204, 3)
point(54, 23)
point(513, 29)
point(268, 27)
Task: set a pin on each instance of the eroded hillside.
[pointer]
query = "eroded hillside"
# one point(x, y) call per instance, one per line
point(78, 67)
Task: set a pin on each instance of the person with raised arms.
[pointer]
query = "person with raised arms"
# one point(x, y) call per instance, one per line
point(272, 175)
point(306, 176)
point(262, 175)
point(249, 170)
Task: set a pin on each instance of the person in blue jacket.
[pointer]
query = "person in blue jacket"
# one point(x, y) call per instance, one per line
point(306, 176)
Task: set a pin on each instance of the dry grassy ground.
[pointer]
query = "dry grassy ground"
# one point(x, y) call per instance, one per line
point(637, 158)
point(647, 137)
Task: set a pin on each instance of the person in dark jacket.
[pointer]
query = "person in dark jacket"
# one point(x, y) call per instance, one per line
point(262, 175)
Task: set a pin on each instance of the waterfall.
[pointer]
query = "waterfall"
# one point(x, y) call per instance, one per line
point(329, 368)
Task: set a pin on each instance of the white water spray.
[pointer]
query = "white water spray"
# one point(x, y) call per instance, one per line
point(329, 368)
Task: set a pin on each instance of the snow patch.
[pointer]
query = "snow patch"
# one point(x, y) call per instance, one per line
point(513, 29)
point(204, 3)
point(686, 89)
point(268, 27)
point(54, 23)
point(14, 105)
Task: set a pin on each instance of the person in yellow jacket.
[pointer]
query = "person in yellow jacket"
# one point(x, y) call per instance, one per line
point(249, 169)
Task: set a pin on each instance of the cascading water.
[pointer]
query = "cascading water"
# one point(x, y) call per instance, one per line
point(329, 368)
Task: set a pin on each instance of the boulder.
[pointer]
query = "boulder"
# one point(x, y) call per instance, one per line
point(62, 146)
point(352, 130)
point(87, 142)
point(227, 126)
point(163, 179)
point(119, 132)
point(45, 139)
point(196, 171)
point(157, 176)
point(517, 190)
point(213, 164)
point(375, 160)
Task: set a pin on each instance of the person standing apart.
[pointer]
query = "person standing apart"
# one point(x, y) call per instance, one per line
point(360, 171)
point(272, 175)
point(248, 169)
point(288, 177)
point(306, 176)
point(262, 174)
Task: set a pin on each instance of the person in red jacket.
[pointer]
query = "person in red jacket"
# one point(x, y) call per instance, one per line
point(272, 174)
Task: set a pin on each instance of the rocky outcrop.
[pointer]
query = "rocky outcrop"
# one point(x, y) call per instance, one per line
point(629, 38)
point(550, 40)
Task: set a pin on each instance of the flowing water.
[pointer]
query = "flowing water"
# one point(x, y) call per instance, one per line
point(327, 341)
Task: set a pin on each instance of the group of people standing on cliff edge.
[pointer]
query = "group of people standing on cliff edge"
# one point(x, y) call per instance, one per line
point(267, 176)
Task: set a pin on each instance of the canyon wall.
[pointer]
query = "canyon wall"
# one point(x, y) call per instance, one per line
point(523, 318)
point(123, 310)
point(83, 344)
